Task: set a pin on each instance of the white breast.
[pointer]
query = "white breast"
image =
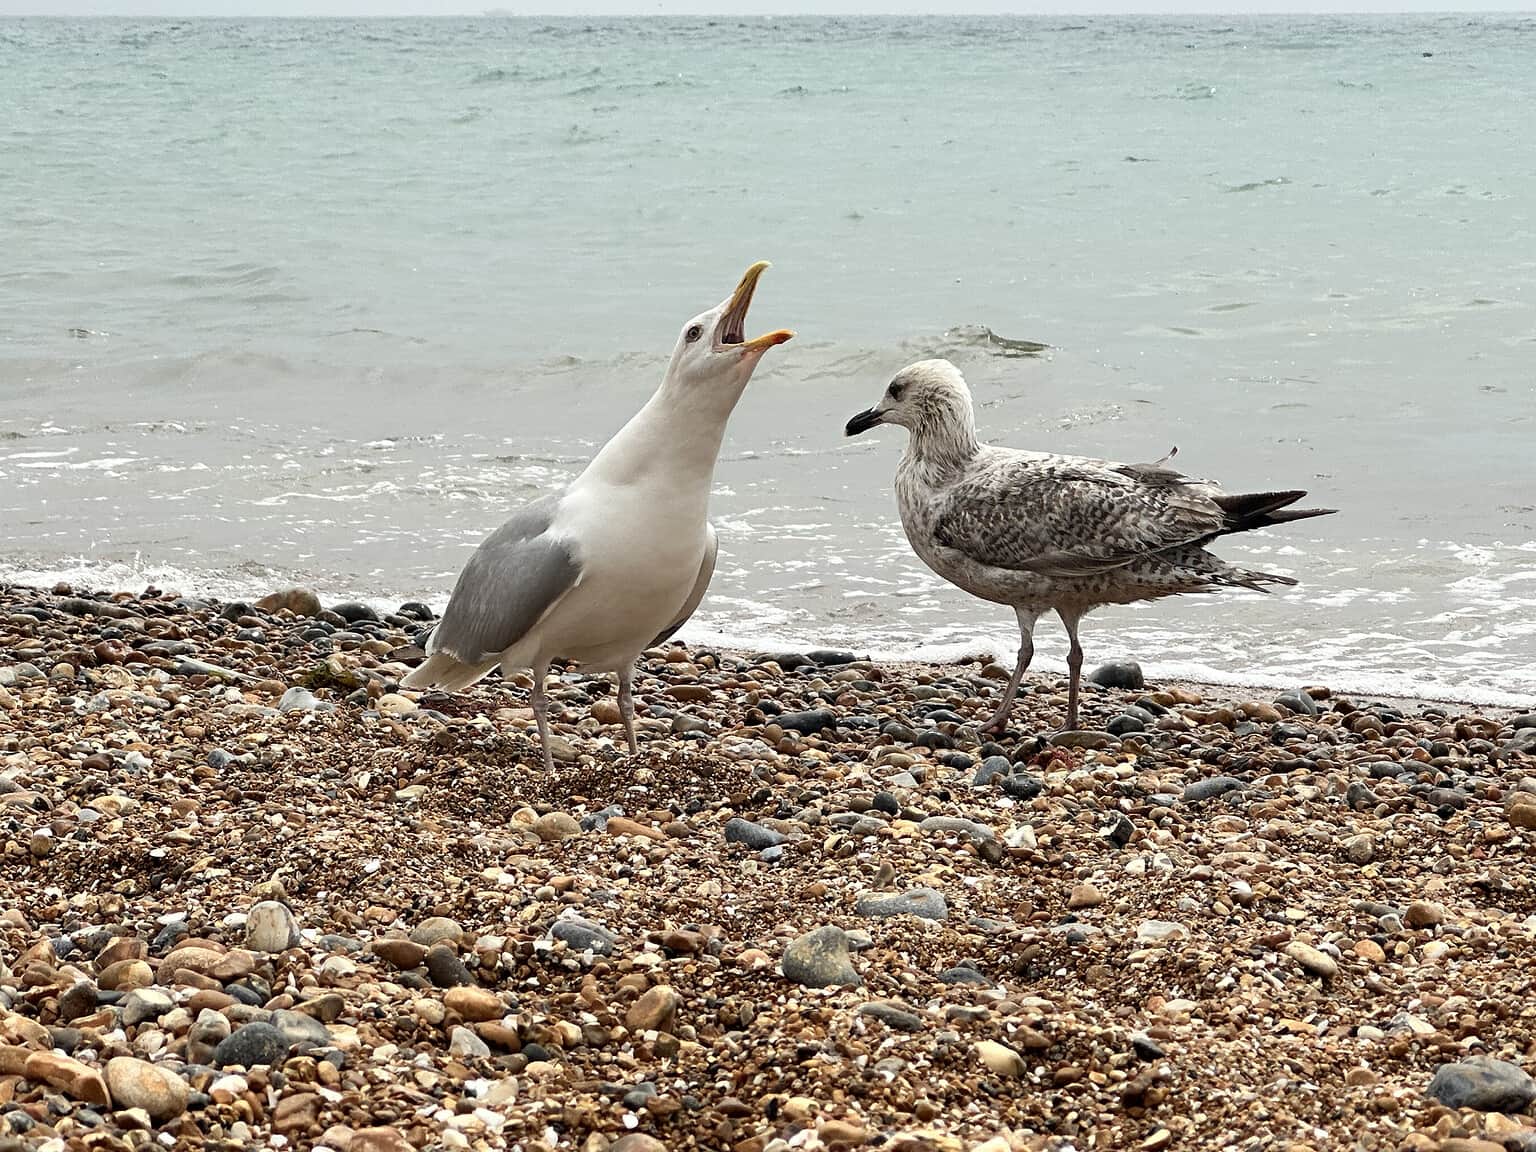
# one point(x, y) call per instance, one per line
point(640, 552)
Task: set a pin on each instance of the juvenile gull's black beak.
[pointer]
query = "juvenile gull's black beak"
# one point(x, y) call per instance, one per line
point(863, 422)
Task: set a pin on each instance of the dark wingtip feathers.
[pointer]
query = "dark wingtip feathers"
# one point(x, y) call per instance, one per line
point(1248, 510)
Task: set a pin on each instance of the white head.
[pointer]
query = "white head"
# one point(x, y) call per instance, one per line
point(929, 399)
point(712, 352)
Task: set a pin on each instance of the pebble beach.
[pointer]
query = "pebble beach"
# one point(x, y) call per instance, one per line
point(253, 895)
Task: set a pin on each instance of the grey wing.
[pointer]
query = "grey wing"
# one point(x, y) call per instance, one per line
point(514, 578)
point(1074, 518)
point(700, 585)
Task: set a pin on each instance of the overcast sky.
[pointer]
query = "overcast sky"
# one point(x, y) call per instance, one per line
point(676, 7)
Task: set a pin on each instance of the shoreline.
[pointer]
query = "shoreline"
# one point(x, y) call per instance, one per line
point(1259, 688)
point(250, 889)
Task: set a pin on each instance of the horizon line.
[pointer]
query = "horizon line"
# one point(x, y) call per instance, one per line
point(507, 14)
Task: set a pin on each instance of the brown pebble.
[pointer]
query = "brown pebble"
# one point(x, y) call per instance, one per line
point(654, 1011)
point(473, 1004)
point(399, 952)
point(1085, 896)
point(1423, 914)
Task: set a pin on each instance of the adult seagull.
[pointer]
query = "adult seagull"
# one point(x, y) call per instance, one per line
point(620, 559)
point(1040, 532)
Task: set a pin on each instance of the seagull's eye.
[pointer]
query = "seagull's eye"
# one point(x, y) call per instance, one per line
point(894, 391)
point(693, 333)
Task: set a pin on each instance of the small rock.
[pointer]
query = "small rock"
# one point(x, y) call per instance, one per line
point(1423, 914)
point(298, 699)
point(1319, 964)
point(924, 903)
point(300, 1029)
point(299, 601)
point(962, 974)
point(1210, 788)
point(435, 930)
point(445, 969)
point(1082, 739)
point(1022, 786)
point(973, 829)
point(1085, 896)
point(654, 1011)
point(633, 1142)
point(67, 1075)
point(584, 936)
point(78, 1000)
point(145, 1004)
point(1298, 703)
point(1522, 811)
point(820, 959)
point(807, 723)
point(126, 975)
point(755, 836)
point(841, 1134)
point(1125, 724)
point(1000, 1058)
point(465, 1044)
point(474, 1004)
point(381, 1140)
point(353, 612)
point(253, 1044)
point(209, 1030)
point(401, 953)
point(1524, 740)
point(1156, 931)
point(139, 1084)
point(1483, 1084)
point(1360, 849)
point(893, 1015)
point(271, 927)
point(1124, 674)
point(1120, 830)
point(992, 768)
point(394, 704)
point(553, 826)
point(295, 1114)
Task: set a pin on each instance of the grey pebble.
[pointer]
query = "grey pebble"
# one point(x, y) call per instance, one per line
point(964, 974)
point(1210, 788)
point(256, 1043)
point(445, 969)
point(739, 831)
point(820, 959)
point(893, 1015)
point(1484, 1084)
point(583, 936)
point(969, 828)
point(924, 903)
point(1118, 674)
point(298, 1029)
point(297, 699)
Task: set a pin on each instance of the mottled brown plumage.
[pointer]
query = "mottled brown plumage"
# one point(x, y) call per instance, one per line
point(1043, 532)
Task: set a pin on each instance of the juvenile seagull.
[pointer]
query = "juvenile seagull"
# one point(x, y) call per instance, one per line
point(618, 561)
point(1040, 532)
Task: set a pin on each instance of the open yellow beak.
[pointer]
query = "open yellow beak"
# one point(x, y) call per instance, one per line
point(765, 342)
point(734, 318)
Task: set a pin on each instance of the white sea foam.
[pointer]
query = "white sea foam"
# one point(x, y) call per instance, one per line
point(1452, 666)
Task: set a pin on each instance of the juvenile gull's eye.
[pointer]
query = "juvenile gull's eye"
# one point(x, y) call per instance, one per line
point(693, 334)
point(894, 391)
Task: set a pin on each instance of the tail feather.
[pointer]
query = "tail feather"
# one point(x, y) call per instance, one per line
point(1247, 578)
point(1249, 510)
point(443, 671)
